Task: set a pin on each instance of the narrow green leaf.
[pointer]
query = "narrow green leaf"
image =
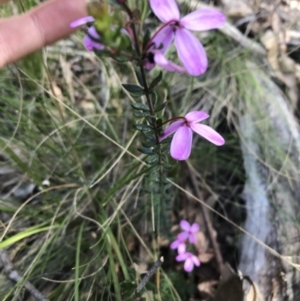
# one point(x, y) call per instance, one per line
point(153, 159)
point(160, 107)
point(77, 264)
point(139, 114)
point(148, 143)
point(139, 77)
point(137, 94)
point(143, 127)
point(156, 81)
point(26, 233)
point(133, 88)
point(140, 106)
point(154, 98)
point(146, 150)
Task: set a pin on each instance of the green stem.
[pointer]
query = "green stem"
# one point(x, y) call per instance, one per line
point(138, 51)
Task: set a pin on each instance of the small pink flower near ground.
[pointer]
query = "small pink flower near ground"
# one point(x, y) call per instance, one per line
point(181, 144)
point(189, 232)
point(190, 51)
point(179, 244)
point(190, 260)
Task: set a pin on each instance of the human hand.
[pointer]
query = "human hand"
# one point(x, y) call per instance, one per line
point(41, 26)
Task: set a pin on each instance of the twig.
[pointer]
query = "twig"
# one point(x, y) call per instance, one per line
point(252, 284)
point(208, 223)
point(150, 273)
point(14, 276)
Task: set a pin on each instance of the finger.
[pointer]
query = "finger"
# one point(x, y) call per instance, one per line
point(39, 27)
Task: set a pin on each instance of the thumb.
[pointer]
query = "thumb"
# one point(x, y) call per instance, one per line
point(43, 25)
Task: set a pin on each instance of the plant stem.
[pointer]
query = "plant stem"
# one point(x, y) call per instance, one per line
point(138, 51)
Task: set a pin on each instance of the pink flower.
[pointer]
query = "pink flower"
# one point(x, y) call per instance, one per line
point(181, 144)
point(82, 21)
point(189, 231)
point(179, 244)
point(158, 46)
point(190, 50)
point(91, 39)
point(190, 260)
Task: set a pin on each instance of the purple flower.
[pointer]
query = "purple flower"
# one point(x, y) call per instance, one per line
point(190, 260)
point(91, 39)
point(82, 21)
point(181, 144)
point(160, 42)
point(189, 231)
point(179, 244)
point(190, 51)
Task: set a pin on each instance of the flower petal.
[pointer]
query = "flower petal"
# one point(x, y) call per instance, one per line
point(181, 248)
point(181, 144)
point(82, 21)
point(208, 133)
point(196, 116)
point(194, 228)
point(148, 65)
point(188, 265)
point(182, 236)
point(89, 42)
point(203, 19)
point(92, 32)
point(190, 52)
point(160, 60)
point(182, 256)
point(175, 244)
point(185, 225)
point(192, 238)
point(196, 260)
point(173, 127)
point(165, 10)
point(162, 37)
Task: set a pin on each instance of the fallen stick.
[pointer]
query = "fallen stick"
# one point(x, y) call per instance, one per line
point(14, 276)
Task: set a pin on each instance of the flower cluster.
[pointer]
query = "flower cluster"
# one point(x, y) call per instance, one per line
point(189, 233)
point(106, 37)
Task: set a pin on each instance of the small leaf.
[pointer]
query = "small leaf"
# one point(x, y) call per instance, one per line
point(137, 94)
point(150, 119)
point(146, 150)
point(156, 81)
point(154, 98)
point(160, 107)
point(133, 88)
point(152, 159)
point(140, 106)
point(139, 77)
point(138, 114)
point(143, 127)
point(167, 166)
point(146, 38)
point(148, 143)
point(155, 169)
point(150, 136)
